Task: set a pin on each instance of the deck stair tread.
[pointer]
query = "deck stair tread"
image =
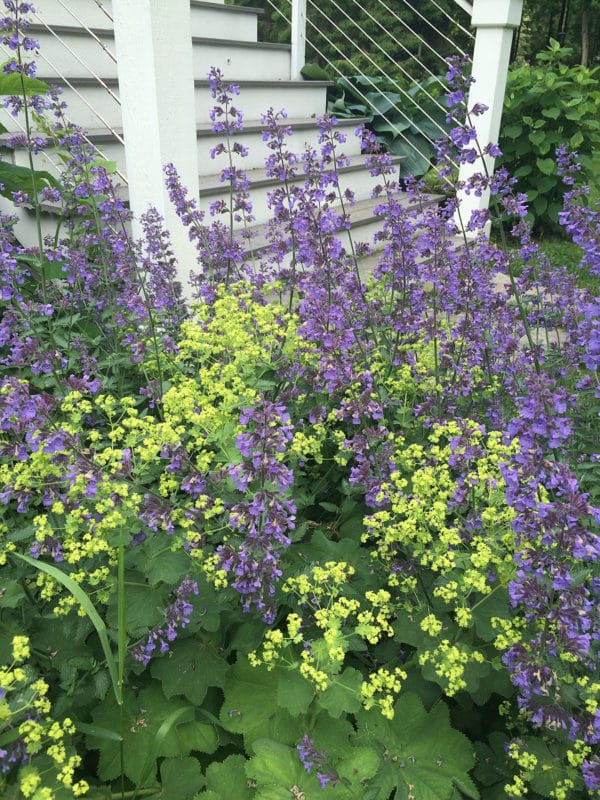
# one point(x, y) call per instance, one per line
point(212, 184)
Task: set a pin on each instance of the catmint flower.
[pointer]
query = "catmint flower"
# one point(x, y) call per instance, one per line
point(177, 615)
point(312, 758)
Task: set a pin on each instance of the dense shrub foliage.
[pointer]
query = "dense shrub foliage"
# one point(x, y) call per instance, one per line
point(311, 534)
point(548, 104)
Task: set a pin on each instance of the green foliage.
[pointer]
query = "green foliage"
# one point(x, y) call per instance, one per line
point(372, 37)
point(406, 118)
point(14, 178)
point(548, 104)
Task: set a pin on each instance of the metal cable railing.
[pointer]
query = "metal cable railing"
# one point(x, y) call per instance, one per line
point(84, 27)
point(338, 36)
point(81, 25)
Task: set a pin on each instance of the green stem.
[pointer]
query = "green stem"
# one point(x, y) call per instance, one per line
point(121, 651)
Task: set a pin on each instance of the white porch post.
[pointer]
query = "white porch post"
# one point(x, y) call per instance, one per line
point(495, 21)
point(298, 38)
point(156, 89)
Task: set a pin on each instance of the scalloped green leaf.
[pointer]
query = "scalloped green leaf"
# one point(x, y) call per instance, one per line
point(431, 764)
point(227, 780)
point(149, 720)
point(280, 775)
point(294, 692)
point(192, 667)
point(251, 707)
point(343, 693)
point(181, 778)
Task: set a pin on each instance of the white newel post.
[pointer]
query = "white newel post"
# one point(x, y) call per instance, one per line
point(495, 21)
point(156, 89)
point(298, 38)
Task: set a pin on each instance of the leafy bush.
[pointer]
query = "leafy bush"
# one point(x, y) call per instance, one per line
point(546, 105)
point(407, 120)
point(311, 533)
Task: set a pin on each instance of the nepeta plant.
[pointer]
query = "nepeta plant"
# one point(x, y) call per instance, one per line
point(346, 543)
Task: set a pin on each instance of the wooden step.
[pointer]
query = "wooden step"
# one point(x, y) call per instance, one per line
point(352, 176)
point(305, 132)
point(211, 19)
point(72, 52)
point(93, 104)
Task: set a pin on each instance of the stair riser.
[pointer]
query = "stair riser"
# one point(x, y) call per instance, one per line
point(93, 106)
point(237, 62)
point(257, 152)
point(359, 181)
point(88, 13)
point(113, 151)
point(74, 55)
point(224, 22)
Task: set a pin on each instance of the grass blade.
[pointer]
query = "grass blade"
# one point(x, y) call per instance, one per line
point(87, 605)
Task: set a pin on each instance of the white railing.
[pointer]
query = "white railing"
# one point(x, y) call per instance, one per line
point(494, 22)
point(56, 35)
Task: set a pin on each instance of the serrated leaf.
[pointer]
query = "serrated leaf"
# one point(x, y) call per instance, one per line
point(322, 548)
point(227, 779)
point(143, 608)
point(197, 736)
point(361, 765)
point(276, 763)
point(181, 778)
point(17, 84)
point(250, 706)
point(494, 604)
point(294, 692)
point(86, 604)
point(149, 722)
point(11, 594)
point(280, 775)
point(191, 668)
point(422, 750)
point(167, 567)
point(343, 693)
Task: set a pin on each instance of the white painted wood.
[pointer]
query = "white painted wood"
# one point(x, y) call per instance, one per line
point(74, 53)
point(269, 62)
point(305, 133)
point(156, 88)
point(298, 37)
point(298, 98)
point(217, 21)
point(465, 5)
point(68, 12)
point(353, 177)
point(495, 21)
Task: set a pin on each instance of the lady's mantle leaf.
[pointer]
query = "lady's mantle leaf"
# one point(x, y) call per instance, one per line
point(294, 692)
point(421, 750)
point(251, 706)
point(226, 780)
point(343, 694)
point(190, 670)
point(280, 775)
point(180, 777)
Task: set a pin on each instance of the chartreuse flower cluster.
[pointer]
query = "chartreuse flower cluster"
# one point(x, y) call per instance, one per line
point(325, 624)
point(36, 745)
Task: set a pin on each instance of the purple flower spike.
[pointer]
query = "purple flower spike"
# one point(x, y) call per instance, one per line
point(311, 757)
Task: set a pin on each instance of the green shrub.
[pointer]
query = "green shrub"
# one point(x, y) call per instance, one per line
point(548, 104)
